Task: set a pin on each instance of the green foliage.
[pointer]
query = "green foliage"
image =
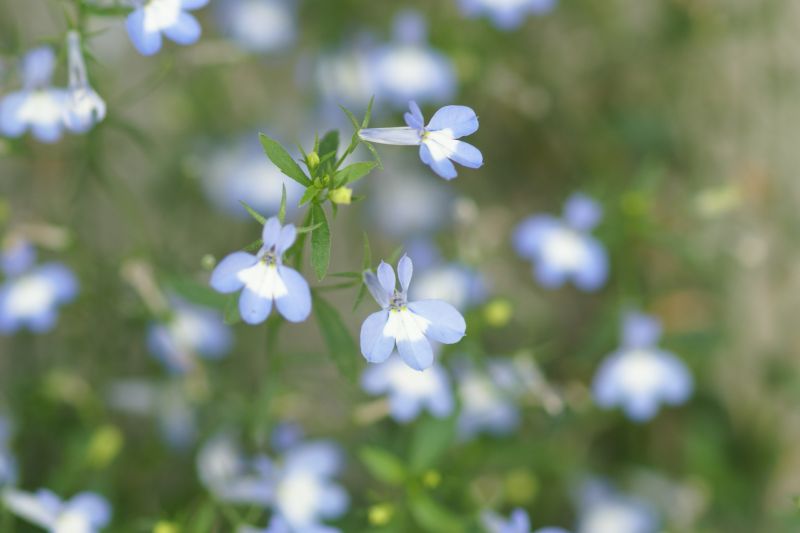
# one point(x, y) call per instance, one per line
point(281, 159)
point(432, 438)
point(384, 466)
point(433, 517)
point(320, 242)
point(341, 347)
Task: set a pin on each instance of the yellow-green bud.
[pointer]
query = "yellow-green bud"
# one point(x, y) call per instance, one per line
point(313, 160)
point(342, 195)
point(381, 514)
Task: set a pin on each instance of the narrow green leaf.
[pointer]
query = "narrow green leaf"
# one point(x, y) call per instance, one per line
point(353, 172)
point(282, 210)
point(366, 264)
point(374, 154)
point(320, 242)
point(198, 293)
point(254, 246)
point(309, 195)
point(382, 465)
point(395, 255)
point(351, 116)
point(432, 517)
point(307, 229)
point(432, 437)
point(342, 348)
point(368, 114)
point(253, 213)
point(329, 145)
point(281, 159)
point(231, 315)
point(300, 244)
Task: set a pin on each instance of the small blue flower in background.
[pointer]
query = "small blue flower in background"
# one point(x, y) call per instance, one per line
point(278, 524)
point(408, 325)
point(8, 463)
point(408, 69)
point(231, 476)
point(38, 107)
point(86, 512)
point(506, 14)
point(31, 295)
point(258, 26)
point(263, 278)
point(454, 282)
point(639, 377)
point(563, 249)
point(438, 141)
point(190, 331)
point(151, 18)
point(488, 403)
point(518, 522)
point(83, 107)
point(603, 510)
point(410, 391)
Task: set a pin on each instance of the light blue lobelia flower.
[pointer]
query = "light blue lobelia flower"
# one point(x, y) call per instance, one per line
point(151, 18)
point(409, 391)
point(86, 512)
point(506, 14)
point(518, 522)
point(639, 377)
point(563, 249)
point(190, 331)
point(438, 141)
point(408, 69)
point(604, 510)
point(454, 282)
point(278, 524)
point(38, 107)
point(408, 325)
point(488, 398)
point(259, 26)
point(263, 278)
point(83, 107)
point(31, 295)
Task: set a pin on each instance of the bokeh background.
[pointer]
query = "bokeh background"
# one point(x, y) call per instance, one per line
point(679, 117)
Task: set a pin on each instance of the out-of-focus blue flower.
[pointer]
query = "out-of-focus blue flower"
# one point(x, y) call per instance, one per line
point(343, 77)
point(410, 391)
point(563, 249)
point(17, 256)
point(518, 522)
point(30, 296)
point(38, 107)
point(83, 107)
point(190, 331)
point(8, 463)
point(241, 172)
point(605, 511)
point(278, 524)
point(151, 18)
point(456, 283)
point(258, 25)
point(232, 477)
point(408, 325)
point(263, 278)
point(408, 69)
point(639, 377)
point(438, 141)
point(506, 14)
point(86, 512)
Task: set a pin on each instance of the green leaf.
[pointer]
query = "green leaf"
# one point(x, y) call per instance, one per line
point(342, 348)
point(366, 264)
point(309, 194)
point(395, 255)
point(351, 117)
point(374, 154)
point(328, 146)
point(353, 172)
point(198, 293)
point(254, 246)
point(320, 242)
point(432, 438)
point(368, 114)
point(253, 213)
point(230, 314)
point(281, 159)
point(432, 517)
point(307, 229)
point(382, 465)
point(282, 210)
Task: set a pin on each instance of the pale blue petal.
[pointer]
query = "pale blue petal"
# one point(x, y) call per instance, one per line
point(37, 67)
point(605, 388)
point(193, 4)
point(446, 323)
point(531, 233)
point(146, 42)
point(322, 458)
point(333, 501)
point(376, 289)
point(40, 508)
point(582, 212)
point(520, 521)
point(295, 306)
point(405, 269)
point(375, 378)
point(271, 232)
point(678, 382)
point(43, 322)
point(640, 330)
point(549, 275)
point(414, 118)
point(460, 120)
point(593, 273)
point(286, 238)
point(254, 308)
point(386, 277)
point(10, 123)
point(467, 155)
point(443, 167)
point(17, 257)
point(641, 407)
point(409, 27)
point(375, 346)
point(186, 29)
point(225, 277)
point(92, 506)
point(47, 132)
point(397, 136)
point(416, 353)
point(404, 408)
point(61, 279)
point(441, 403)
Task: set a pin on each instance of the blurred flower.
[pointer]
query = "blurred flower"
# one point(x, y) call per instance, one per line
point(263, 278)
point(151, 18)
point(408, 325)
point(408, 69)
point(343, 77)
point(278, 524)
point(506, 14)
point(190, 331)
point(83, 107)
point(17, 256)
point(563, 249)
point(38, 106)
point(438, 141)
point(518, 522)
point(639, 377)
point(454, 282)
point(86, 512)
point(258, 25)
point(232, 477)
point(410, 391)
point(30, 296)
point(239, 172)
point(605, 511)
point(8, 463)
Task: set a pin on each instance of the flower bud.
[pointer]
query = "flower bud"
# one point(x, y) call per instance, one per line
point(342, 195)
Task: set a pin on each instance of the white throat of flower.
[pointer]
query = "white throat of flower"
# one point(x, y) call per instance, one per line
point(160, 14)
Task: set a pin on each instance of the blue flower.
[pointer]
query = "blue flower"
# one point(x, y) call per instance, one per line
point(232, 477)
point(263, 278)
point(563, 249)
point(457, 283)
point(86, 512)
point(605, 511)
point(409, 325)
point(83, 107)
point(8, 463)
point(30, 296)
point(38, 106)
point(438, 141)
point(506, 14)
point(278, 524)
point(258, 25)
point(488, 399)
point(518, 522)
point(191, 330)
point(639, 377)
point(410, 391)
point(151, 18)
point(408, 69)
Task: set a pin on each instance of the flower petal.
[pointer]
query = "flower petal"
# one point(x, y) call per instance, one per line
point(376, 289)
point(640, 330)
point(405, 269)
point(582, 212)
point(398, 136)
point(254, 307)
point(225, 277)
point(31, 507)
point(376, 347)
point(409, 331)
point(446, 325)
point(404, 408)
point(593, 272)
point(531, 233)
point(459, 120)
point(193, 4)
point(92, 506)
point(386, 277)
point(295, 305)
point(461, 152)
point(146, 42)
point(286, 238)
point(438, 161)
point(11, 124)
point(271, 232)
point(185, 30)
point(414, 118)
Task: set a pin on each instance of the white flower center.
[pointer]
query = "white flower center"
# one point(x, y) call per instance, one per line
point(564, 248)
point(40, 107)
point(298, 497)
point(611, 518)
point(161, 14)
point(411, 382)
point(263, 24)
point(409, 69)
point(29, 296)
point(640, 372)
point(72, 522)
point(186, 328)
point(263, 279)
point(478, 394)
